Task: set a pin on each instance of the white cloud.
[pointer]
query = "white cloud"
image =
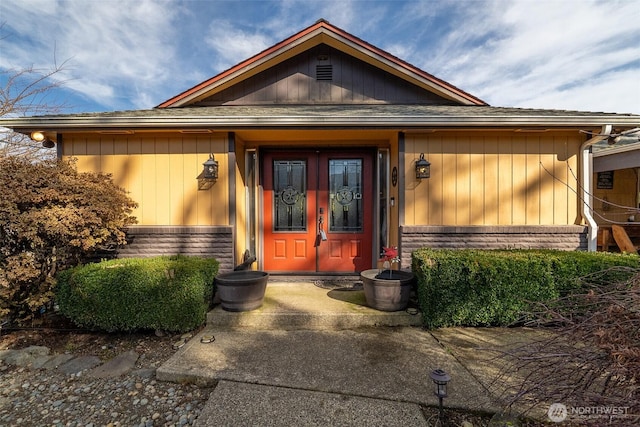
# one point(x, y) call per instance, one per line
point(556, 52)
point(617, 92)
point(237, 40)
point(232, 44)
point(293, 15)
point(109, 45)
point(134, 54)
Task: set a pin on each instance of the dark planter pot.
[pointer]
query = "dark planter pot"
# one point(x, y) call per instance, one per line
point(241, 290)
point(387, 292)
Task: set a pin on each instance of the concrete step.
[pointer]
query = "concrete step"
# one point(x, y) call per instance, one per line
point(319, 303)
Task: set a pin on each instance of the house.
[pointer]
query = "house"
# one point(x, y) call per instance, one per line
point(322, 149)
point(616, 194)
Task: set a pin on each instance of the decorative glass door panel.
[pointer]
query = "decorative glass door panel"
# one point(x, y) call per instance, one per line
point(317, 211)
point(345, 195)
point(290, 195)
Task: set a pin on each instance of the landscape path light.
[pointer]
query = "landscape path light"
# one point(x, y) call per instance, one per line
point(440, 380)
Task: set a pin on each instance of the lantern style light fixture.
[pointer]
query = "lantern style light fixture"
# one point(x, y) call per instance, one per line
point(210, 172)
point(423, 168)
point(440, 379)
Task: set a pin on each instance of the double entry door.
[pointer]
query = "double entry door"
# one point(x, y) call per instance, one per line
point(318, 209)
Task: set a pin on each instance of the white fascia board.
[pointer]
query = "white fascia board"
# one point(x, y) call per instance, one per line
point(163, 121)
point(616, 150)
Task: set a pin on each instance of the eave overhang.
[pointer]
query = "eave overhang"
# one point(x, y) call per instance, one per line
point(361, 117)
point(616, 158)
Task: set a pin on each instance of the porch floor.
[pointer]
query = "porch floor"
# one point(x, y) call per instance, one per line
point(312, 303)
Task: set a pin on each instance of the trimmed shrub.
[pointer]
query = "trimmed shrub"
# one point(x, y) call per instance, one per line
point(498, 287)
point(166, 293)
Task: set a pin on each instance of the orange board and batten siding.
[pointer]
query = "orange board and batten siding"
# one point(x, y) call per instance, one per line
point(493, 178)
point(160, 173)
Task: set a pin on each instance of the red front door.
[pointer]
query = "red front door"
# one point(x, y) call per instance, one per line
point(318, 210)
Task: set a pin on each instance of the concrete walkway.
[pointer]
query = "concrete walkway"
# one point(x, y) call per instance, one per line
point(310, 366)
point(305, 305)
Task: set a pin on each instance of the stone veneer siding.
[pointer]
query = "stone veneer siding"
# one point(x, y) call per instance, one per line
point(205, 241)
point(570, 238)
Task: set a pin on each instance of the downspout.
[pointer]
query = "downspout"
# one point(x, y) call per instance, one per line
point(587, 190)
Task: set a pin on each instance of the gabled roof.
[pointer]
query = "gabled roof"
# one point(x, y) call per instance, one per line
point(318, 33)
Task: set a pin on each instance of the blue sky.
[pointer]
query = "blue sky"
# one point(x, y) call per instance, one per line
point(132, 54)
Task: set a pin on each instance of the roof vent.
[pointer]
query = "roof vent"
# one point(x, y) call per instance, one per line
point(324, 72)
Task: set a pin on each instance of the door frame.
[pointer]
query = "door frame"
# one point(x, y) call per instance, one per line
point(370, 151)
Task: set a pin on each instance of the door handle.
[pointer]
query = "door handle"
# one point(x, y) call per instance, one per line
point(323, 235)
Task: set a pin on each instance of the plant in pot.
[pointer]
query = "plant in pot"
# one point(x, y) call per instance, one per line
point(389, 256)
point(387, 289)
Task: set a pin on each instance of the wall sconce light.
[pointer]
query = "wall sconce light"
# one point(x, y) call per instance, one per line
point(44, 139)
point(210, 171)
point(423, 168)
point(38, 136)
point(440, 379)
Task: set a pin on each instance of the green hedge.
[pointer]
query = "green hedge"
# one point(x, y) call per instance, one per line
point(166, 293)
point(498, 287)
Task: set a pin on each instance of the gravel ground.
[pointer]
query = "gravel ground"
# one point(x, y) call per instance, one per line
point(39, 397)
point(51, 397)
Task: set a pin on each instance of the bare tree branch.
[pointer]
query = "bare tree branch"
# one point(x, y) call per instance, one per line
point(28, 92)
point(592, 358)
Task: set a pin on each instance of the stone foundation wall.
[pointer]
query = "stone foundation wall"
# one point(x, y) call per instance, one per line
point(148, 241)
point(570, 238)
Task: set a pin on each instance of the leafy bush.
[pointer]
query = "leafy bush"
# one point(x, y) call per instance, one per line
point(166, 293)
point(52, 217)
point(497, 287)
